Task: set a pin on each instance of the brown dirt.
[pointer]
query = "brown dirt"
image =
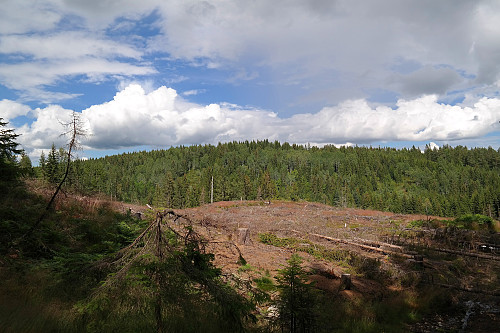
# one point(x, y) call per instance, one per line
point(221, 221)
point(294, 219)
point(298, 219)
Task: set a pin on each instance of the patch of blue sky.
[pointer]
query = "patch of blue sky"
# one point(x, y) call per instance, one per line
point(91, 93)
point(405, 66)
point(452, 98)
point(20, 121)
point(145, 27)
point(15, 58)
point(98, 153)
point(256, 88)
point(465, 75)
point(217, 85)
point(6, 93)
point(382, 96)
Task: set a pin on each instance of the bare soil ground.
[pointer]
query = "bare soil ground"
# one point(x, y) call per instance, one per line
point(293, 219)
point(301, 219)
point(221, 221)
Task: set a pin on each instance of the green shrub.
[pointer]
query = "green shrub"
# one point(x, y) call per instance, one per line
point(473, 221)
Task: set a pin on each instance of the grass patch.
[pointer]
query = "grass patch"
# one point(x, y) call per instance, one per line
point(44, 274)
point(473, 222)
point(304, 245)
point(355, 264)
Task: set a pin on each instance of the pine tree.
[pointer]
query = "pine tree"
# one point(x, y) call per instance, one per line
point(52, 166)
point(25, 164)
point(296, 305)
point(43, 166)
point(8, 151)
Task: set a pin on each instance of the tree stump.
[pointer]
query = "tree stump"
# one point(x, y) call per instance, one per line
point(419, 260)
point(243, 236)
point(346, 281)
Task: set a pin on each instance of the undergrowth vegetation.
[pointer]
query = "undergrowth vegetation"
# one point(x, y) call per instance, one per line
point(466, 222)
point(87, 268)
point(45, 273)
point(352, 262)
point(80, 266)
point(62, 278)
point(399, 298)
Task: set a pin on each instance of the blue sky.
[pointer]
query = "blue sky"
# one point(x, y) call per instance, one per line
point(151, 74)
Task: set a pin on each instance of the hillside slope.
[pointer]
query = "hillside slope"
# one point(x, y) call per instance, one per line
point(377, 248)
point(445, 182)
point(47, 276)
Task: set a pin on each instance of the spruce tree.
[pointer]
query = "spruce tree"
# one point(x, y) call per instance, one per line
point(8, 151)
point(296, 304)
point(52, 166)
point(25, 164)
point(43, 166)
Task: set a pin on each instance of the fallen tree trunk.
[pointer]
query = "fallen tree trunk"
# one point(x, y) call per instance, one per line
point(469, 290)
point(387, 248)
point(363, 246)
point(391, 247)
point(469, 254)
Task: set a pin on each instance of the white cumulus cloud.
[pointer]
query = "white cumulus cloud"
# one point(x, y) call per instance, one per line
point(420, 119)
point(11, 109)
point(46, 129)
point(162, 118)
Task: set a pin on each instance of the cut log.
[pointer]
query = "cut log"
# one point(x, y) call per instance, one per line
point(346, 281)
point(363, 246)
point(469, 254)
point(243, 236)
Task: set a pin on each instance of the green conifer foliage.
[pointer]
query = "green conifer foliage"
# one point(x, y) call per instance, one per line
point(8, 151)
point(52, 166)
point(296, 304)
point(455, 181)
point(166, 282)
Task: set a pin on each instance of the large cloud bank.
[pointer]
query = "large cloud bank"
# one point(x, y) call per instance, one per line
point(408, 47)
point(163, 118)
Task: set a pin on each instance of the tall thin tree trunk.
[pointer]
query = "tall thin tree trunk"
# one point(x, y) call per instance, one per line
point(76, 131)
point(159, 277)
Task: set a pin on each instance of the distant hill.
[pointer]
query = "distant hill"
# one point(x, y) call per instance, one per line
point(446, 182)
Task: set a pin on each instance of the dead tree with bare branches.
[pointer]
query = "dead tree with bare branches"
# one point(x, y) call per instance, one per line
point(168, 271)
point(75, 131)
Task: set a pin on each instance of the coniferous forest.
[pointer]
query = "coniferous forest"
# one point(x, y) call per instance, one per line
point(73, 263)
point(450, 181)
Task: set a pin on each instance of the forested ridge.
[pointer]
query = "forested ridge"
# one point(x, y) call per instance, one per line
point(449, 181)
point(80, 264)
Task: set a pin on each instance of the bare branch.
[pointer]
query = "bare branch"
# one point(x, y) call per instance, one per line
point(75, 128)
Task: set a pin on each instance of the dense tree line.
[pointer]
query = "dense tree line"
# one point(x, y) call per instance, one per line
point(449, 181)
point(162, 278)
point(10, 165)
